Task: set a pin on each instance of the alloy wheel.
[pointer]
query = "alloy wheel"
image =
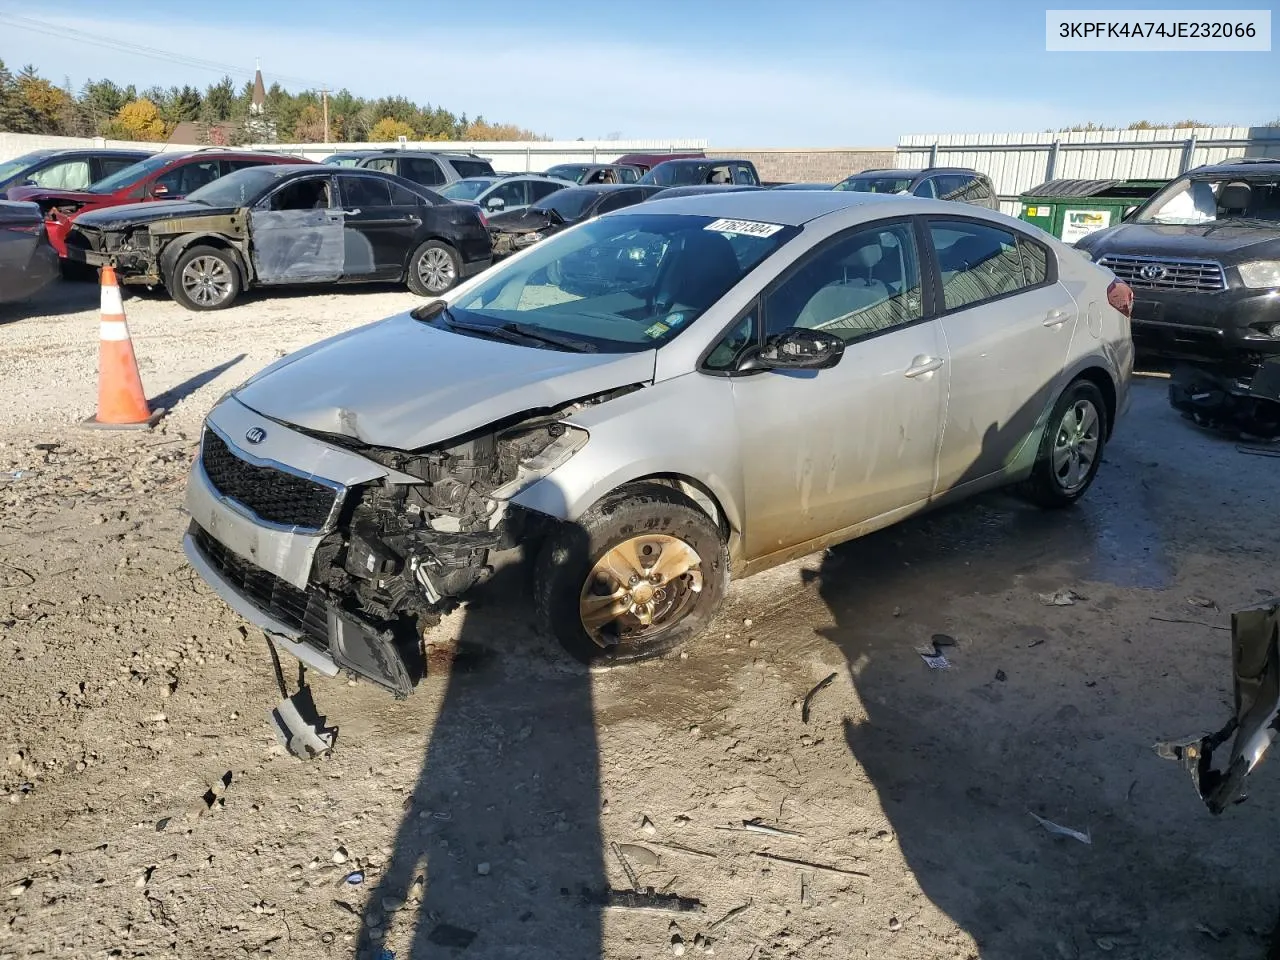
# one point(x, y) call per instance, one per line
point(207, 281)
point(436, 270)
point(1075, 446)
point(640, 588)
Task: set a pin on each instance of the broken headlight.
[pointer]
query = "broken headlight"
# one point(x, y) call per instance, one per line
point(540, 464)
point(1260, 273)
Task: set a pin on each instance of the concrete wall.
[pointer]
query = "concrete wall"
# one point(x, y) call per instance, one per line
point(16, 144)
point(511, 155)
point(816, 165)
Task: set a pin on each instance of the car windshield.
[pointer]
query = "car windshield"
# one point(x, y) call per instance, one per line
point(569, 204)
point(344, 160)
point(11, 168)
point(131, 174)
point(671, 174)
point(466, 189)
point(238, 189)
point(875, 184)
point(1192, 200)
point(568, 171)
point(620, 284)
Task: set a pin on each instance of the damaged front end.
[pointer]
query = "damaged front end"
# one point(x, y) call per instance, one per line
point(1255, 657)
point(346, 574)
point(1241, 399)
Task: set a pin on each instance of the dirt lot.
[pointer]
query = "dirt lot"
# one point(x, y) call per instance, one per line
point(146, 810)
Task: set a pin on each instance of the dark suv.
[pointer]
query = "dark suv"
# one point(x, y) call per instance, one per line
point(425, 167)
point(961, 184)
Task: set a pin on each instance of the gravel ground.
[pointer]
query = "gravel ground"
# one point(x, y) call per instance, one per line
point(146, 810)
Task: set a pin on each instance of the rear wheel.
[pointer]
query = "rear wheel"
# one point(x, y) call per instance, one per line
point(434, 269)
point(205, 278)
point(1071, 448)
point(642, 571)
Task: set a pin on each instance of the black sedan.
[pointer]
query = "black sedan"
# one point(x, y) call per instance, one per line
point(287, 224)
point(517, 230)
point(27, 261)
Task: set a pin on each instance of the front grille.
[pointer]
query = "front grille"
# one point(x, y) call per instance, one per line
point(302, 610)
point(273, 495)
point(1156, 273)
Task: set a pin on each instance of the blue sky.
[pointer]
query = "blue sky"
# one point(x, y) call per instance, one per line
point(746, 73)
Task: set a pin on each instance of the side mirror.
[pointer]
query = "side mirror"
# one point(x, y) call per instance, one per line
point(159, 190)
point(495, 204)
point(800, 349)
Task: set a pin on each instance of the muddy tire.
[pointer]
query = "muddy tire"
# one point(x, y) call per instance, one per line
point(613, 564)
point(434, 268)
point(1071, 448)
point(205, 278)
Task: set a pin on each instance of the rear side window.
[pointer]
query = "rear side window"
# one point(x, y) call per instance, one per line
point(110, 165)
point(365, 192)
point(472, 168)
point(977, 262)
point(187, 177)
point(402, 197)
point(953, 186)
point(381, 164)
point(980, 191)
point(1035, 261)
point(617, 200)
point(422, 170)
point(541, 189)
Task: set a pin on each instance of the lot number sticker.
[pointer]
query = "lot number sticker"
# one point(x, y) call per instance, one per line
point(749, 228)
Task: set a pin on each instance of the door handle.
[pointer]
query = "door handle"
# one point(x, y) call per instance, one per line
point(922, 365)
point(1056, 318)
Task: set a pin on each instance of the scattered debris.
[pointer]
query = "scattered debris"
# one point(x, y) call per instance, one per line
point(894, 924)
point(297, 722)
point(341, 855)
point(626, 866)
point(1062, 831)
point(1061, 598)
point(736, 911)
point(650, 899)
point(647, 826)
point(808, 699)
point(1203, 602)
point(162, 823)
point(932, 653)
point(811, 864)
point(677, 945)
point(1213, 934)
point(354, 878)
point(755, 826)
point(641, 855)
point(1036, 642)
point(346, 907)
point(447, 935)
point(1194, 623)
point(213, 796)
point(681, 848)
point(936, 661)
point(1001, 676)
point(1258, 451)
point(482, 869)
point(12, 475)
point(418, 888)
point(941, 640)
point(19, 888)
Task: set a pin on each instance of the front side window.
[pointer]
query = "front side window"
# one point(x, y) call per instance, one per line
point(512, 194)
point(853, 286)
point(240, 188)
point(628, 175)
point(187, 178)
point(307, 194)
point(977, 262)
point(69, 175)
point(621, 284)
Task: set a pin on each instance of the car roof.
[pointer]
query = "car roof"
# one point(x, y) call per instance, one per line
point(1242, 165)
point(791, 208)
point(607, 187)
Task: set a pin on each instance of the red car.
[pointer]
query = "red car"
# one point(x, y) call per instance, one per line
point(164, 176)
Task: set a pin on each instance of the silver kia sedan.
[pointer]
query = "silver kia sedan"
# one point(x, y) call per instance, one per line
point(650, 404)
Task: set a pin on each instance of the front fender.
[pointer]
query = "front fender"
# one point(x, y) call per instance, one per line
point(172, 250)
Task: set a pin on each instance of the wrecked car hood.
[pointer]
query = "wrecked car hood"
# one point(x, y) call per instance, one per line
point(49, 193)
point(403, 384)
point(137, 214)
point(523, 221)
point(1191, 240)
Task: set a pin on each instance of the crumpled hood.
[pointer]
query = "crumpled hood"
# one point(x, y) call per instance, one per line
point(1232, 241)
point(135, 214)
point(402, 384)
point(521, 221)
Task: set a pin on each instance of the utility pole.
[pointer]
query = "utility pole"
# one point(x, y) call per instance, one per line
point(324, 100)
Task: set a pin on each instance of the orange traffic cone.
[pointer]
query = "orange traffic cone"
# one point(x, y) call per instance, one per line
point(121, 403)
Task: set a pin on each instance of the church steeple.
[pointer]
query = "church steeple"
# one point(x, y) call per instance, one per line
point(259, 102)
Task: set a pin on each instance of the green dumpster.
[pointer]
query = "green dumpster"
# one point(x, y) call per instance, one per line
point(1071, 209)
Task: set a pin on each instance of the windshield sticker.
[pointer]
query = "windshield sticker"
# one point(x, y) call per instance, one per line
point(674, 319)
point(657, 330)
point(750, 228)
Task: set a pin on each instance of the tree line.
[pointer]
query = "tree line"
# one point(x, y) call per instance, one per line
point(30, 103)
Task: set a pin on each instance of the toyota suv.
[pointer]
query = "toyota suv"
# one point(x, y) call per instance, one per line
point(163, 176)
point(1203, 259)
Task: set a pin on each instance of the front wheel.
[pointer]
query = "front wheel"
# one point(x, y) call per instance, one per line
point(643, 570)
point(205, 278)
point(434, 269)
point(1071, 448)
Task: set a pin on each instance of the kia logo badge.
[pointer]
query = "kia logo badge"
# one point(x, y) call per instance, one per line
point(256, 435)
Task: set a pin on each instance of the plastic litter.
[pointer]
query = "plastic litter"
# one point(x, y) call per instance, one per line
point(354, 878)
point(1061, 598)
point(1061, 831)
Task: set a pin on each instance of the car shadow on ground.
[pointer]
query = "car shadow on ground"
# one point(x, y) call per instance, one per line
point(60, 298)
point(501, 835)
point(1021, 723)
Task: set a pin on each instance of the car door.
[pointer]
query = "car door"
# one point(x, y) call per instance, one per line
point(375, 231)
point(1008, 326)
point(826, 451)
point(296, 233)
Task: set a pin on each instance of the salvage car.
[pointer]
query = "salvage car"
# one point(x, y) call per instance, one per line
point(687, 173)
point(162, 176)
point(803, 186)
point(838, 351)
point(588, 173)
point(645, 162)
point(503, 193)
point(1203, 259)
point(73, 169)
point(425, 167)
point(960, 184)
point(667, 192)
point(287, 224)
point(28, 262)
point(564, 208)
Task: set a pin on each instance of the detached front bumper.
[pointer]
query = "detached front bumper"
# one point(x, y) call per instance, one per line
point(130, 266)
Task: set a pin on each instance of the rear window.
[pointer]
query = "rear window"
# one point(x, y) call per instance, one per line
point(874, 184)
point(341, 160)
point(472, 168)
